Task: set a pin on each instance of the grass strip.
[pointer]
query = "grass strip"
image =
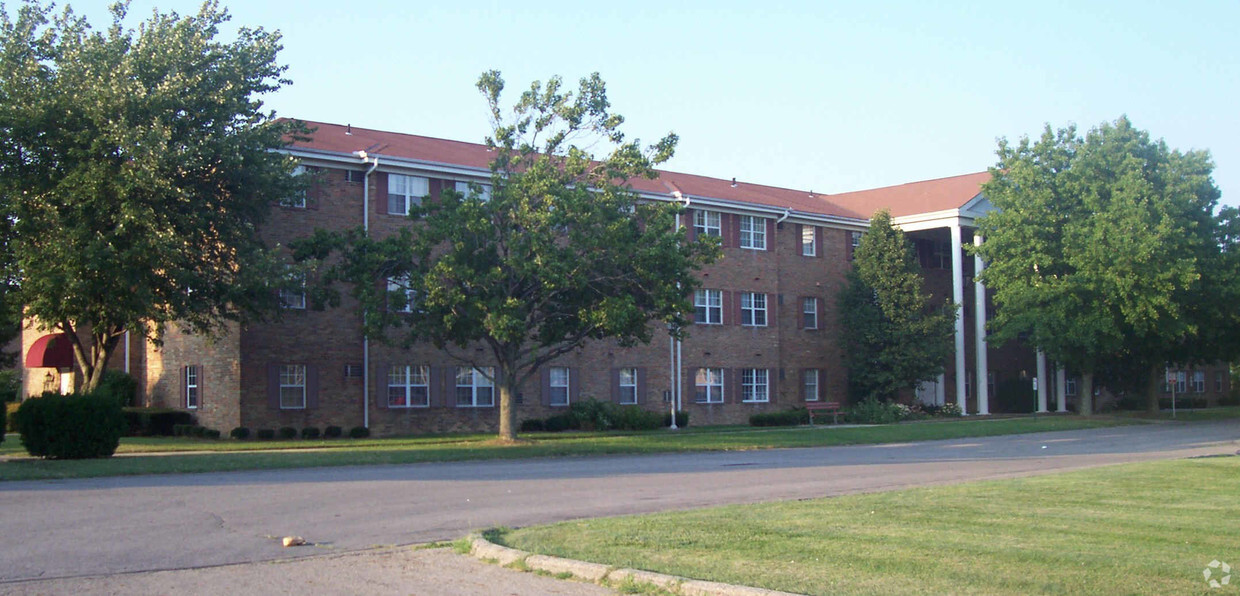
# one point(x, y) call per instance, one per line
point(229, 455)
point(1148, 528)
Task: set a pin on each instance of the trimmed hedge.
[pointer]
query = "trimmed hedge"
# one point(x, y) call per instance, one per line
point(155, 422)
point(240, 433)
point(10, 409)
point(793, 417)
point(287, 432)
point(359, 432)
point(266, 434)
point(58, 426)
point(310, 432)
point(333, 432)
point(594, 415)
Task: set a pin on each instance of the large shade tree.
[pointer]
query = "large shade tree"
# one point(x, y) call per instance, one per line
point(1107, 251)
point(135, 167)
point(895, 334)
point(560, 253)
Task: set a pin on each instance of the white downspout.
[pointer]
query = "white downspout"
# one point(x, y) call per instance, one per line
point(366, 339)
point(787, 212)
point(127, 351)
point(677, 401)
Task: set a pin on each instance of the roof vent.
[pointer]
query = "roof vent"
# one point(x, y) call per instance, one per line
point(734, 182)
point(348, 129)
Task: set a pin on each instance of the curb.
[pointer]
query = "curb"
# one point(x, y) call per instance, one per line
point(602, 574)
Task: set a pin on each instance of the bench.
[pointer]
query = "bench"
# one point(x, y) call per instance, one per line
point(823, 406)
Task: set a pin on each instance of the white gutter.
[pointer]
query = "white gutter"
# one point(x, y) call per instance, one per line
point(787, 212)
point(366, 339)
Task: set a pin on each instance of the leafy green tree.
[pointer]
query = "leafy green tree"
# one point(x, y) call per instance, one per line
point(135, 167)
point(1107, 251)
point(560, 253)
point(895, 334)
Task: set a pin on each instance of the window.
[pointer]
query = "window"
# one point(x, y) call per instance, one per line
point(1070, 386)
point(354, 175)
point(1199, 381)
point(559, 386)
point(755, 386)
point(294, 296)
point(474, 388)
point(628, 386)
point(707, 223)
point(298, 200)
point(1181, 381)
point(708, 307)
point(990, 383)
point(708, 386)
point(463, 188)
point(810, 382)
point(409, 387)
point(400, 295)
point(753, 232)
point(405, 191)
point(1218, 382)
point(809, 313)
point(191, 387)
point(809, 248)
point(293, 387)
point(855, 240)
point(753, 309)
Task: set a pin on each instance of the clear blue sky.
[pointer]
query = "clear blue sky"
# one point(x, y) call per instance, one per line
point(824, 96)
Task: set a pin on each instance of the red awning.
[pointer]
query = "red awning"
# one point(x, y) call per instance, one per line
point(50, 351)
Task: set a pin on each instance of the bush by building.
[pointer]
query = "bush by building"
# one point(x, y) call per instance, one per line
point(58, 426)
point(154, 422)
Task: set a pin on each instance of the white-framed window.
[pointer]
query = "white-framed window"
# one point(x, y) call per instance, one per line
point(463, 188)
point(708, 307)
point(707, 223)
point(294, 297)
point(755, 385)
point(400, 295)
point(628, 386)
point(1199, 381)
point(990, 383)
point(1181, 381)
point(293, 387)
point(1069, 386)
point(809, 313)
point(708, 386)
point(810, 379)
point(298, 200)
point(405, 191)
point(559, 385)
point(409, 387)
point(753, 232)
point(474, 387)
point(809, 248)
point(1218, 381)
point(192, 395)
point(854, 239)
point(753, 309)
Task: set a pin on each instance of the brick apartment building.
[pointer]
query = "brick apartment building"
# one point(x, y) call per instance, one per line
point(766, 335)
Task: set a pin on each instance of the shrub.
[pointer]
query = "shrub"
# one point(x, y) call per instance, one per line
point(70, 426)
point(792, 417)
point(635, 418)
point(199, 431)
point(119, 385)
point(181, 430)
point(287, 432)
point(155, 422)
point(4, 422)
point(531, 425)
point(561, 422)
point(10, 385)
point(211, 433)
point(310, 432)
point(359, 432)
point(240, 432)
point(266, 434)
point(333, 432)
point(950, 411)
point(592, 414)
point(872, 411)
point(10, 409)
point(682, 419)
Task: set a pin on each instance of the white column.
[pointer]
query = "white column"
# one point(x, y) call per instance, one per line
point(940, 390)
point(979, 333)
point(958, 298)
point(1061, 389)
point(1042, 381)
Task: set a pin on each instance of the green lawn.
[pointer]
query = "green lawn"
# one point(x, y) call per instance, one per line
point(162, 456)
point(1146, 528)
point(1184, 414)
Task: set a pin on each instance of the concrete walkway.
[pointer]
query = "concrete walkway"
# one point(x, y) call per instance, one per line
point(94, 527)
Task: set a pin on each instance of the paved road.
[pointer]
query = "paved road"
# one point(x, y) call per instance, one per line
point(61, 529)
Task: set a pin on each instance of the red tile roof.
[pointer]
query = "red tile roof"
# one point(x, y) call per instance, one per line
point(916, 197)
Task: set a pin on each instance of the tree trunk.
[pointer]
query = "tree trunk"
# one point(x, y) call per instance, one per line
point(507, 413)
point(1085, 407)
point(1153, 389)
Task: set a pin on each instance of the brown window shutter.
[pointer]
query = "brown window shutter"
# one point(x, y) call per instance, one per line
point(574, 385)
point(772, 384)
point(378, 194)
point(615, 384)
point(435, 391)
point(273, 386)
point(801, 380)
point(736, 308)
point(545, 378)
point(312, 386)
point(732, 385)
point(381, 385)
point(184, 386)
point(770, 234)
point(690, 385)
point(641, 385)
point(726, 317)
point(202, 384)
point(818, 247)
point(726, 225)
point(822, 385)
point(690, 231)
